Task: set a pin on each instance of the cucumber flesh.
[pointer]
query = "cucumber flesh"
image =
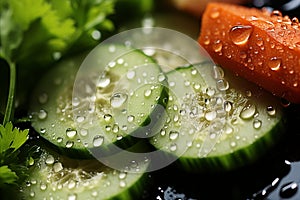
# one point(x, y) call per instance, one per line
point(100, 102)
point(228, 123)
point(55, 176)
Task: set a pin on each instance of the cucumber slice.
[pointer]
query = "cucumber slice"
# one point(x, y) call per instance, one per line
point(228, 123)
point(116, 93)
point(54, 176)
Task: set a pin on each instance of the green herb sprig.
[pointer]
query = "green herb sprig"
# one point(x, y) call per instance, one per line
point(34, 34)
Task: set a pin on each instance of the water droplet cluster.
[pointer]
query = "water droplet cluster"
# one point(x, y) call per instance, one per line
point(212, 117)
point(250, 45)
point(64, 178)
point(101, 95)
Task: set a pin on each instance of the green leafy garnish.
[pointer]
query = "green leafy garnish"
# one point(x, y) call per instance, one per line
point(7, 176)
point(11, 139)
point(33, 35)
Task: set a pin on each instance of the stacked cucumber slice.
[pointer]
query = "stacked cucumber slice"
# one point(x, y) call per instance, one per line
point(118, 92)
point(219, 121)
point(55, 176)
point(127, 98)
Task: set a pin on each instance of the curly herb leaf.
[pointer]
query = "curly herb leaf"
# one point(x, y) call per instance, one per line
point(7, 176)
point(11, 138)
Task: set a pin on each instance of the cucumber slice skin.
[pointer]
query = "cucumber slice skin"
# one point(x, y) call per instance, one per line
point(47, 122)
point(240, 156)
point(46, 183)
point(237, 159)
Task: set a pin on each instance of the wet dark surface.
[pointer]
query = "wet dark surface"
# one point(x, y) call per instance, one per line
point(275, 175)
point(287, 7)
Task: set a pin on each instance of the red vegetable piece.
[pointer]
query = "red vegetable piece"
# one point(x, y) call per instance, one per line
point(259, 45)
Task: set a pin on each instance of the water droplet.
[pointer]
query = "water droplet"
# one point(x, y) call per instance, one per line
point(43, 98)
point(115, 128)
point(42, 114)
point(57, 167)
point(215, 14)
point(32, 194)
point(149, 51)
point(228, 129)
point(173, 147)
point(257, 123)
point(72, 197)
point(96, 35)
point(112, 48)
point(71, 184)
point(33, 181)
point(211, 115)
point(173, 135)
point(276, 13)
point(217, 46)
point(285, 103)
point(197, 86)
point(248, 93)
point(172, 83)
point(31, 161)
point(161, 77)
point(194, 71)
point(233, 144)
point(248, 111)
point(288, 190)
point(222, 84)
point(71, 133)
point(218, 72)
point(80, 119)
point(130, 74)
point(43, 186)
point(147, 93)
point(120, 61)
point(59, 139)
point(274, 63)
point(49, 160)
point(112, 64)
point(122, 184)
point(83, 132)
point(118, 99)
point(295, 21)
point(43, 130)
point(107, 117)
point(148, 22)
point(260, 42)
point(206, 40)
point(98, 140)
point(103, 81)
point(56, 55)
point(130, 118)
point(144, 74)
point(210, 91)
point(162, 132)
point(187, 83)
point(94, 194)
point(227, 106)
point(122, 175)
point(108, 128)
point(271, 110)
point(75, 101)
point(69, 144)
point(240, 34)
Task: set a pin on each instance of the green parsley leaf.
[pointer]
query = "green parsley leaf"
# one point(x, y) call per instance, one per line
point(7, 176)
point(11, 138)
